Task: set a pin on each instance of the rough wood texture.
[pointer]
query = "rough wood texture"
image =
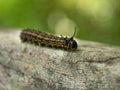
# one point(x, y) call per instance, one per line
point(93, 66)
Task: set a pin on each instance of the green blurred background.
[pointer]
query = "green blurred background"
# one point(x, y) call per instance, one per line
point(96, 20)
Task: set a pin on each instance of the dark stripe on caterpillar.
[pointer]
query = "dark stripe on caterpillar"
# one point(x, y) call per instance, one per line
point(40, 38)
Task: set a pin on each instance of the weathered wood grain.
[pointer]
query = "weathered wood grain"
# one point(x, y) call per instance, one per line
point(94, 66)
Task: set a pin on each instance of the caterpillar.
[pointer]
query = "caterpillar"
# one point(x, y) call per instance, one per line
point(44, 39)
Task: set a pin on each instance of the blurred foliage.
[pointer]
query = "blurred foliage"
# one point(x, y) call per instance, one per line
point(96, 20)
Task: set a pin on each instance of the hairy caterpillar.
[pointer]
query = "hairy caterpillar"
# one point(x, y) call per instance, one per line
point(44, 39)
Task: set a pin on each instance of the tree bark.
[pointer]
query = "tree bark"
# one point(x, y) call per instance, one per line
point(23, 66)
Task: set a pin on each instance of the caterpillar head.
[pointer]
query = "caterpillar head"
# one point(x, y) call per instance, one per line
point(71, 43)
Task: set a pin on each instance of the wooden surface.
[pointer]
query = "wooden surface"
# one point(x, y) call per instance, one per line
point(93, 66)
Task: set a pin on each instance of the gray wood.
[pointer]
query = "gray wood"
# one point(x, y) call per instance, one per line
point(93, 66)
